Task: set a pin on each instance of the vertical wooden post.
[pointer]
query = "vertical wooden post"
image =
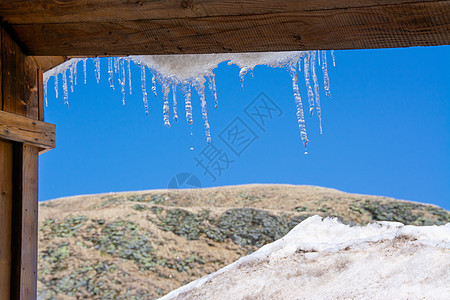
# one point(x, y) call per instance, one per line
point(21, 93)
point(6, 154)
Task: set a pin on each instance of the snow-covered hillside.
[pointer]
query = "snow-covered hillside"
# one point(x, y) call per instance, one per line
point(324, 259)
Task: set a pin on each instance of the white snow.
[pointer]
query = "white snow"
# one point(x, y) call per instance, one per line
point(324, 259)
point(193, 70)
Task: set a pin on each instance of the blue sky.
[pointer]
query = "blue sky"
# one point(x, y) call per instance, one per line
point(386, 131)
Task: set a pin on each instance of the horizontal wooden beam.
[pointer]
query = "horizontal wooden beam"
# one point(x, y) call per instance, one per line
point(45, 63)
point(28, 131)
point(120, 27)
point(77, 11)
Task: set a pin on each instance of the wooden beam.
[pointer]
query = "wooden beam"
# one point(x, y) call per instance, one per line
point(20, 99)
point(25, 223)
point(45, 63)
point(13, 89)
point(6, 155)
point(119, 27)
point(28, 131)
point(77, 11)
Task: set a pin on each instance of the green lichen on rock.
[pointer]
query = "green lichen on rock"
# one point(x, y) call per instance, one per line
point(125, 240)
point(182, 223)
point(251, 227)
point(86, 279)
point(64, 228)
point(244, 226)
point(52, 259)
point(405, 212)
point(149, 198)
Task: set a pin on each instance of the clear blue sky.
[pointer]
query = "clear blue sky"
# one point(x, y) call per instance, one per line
point(386, 132)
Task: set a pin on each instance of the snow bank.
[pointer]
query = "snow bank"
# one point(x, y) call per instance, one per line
point(324, 259)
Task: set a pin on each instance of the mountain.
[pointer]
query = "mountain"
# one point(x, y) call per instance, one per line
point(142, 245)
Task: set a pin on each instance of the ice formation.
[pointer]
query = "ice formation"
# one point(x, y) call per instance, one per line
point(184, 72)
point(325, 259)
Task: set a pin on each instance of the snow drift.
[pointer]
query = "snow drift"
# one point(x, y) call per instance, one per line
point(324, 259)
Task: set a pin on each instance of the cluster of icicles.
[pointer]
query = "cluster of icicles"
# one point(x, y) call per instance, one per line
point(185, 71)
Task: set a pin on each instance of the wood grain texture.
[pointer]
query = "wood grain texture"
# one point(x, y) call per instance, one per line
point(1, 69)
point(45, 63)
point(24, 234)
point(77, 11)
point(121, 28)
point(40, 94)
point(26, 130)
point(5, 218)
point(29, 220)
point(19, 112)
point(30, 71)
point(13, 78)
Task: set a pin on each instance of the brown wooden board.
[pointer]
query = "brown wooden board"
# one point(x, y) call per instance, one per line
point(26, 130)
point(47, 62)
point(6, 155)
point(40, 94)
point(115, 27)
point(27, 230)
point(77, 11)
point(18, 170)
point(13, 88)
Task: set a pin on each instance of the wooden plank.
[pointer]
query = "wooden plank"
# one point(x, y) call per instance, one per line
point(31, 87)
point(337, 25)
point(20, 94)
point(26, 130)
point(13, 78)
point(25, 220)
point(47, 62)
point(24, 229)
point(76, 11)
point(5, 218)
point(1, 70)
point(41, 94)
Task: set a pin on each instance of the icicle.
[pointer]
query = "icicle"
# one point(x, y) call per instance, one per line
point(84, 69)
point(318, 56)
point(212, 88)
point(154, 85)
point(56, 85)
point(144, 89)
point(174, 99)
point(199, 85)
point(122, 78)
point(71, 77)
point(316, 89)
point(326, 79)
point(166, 90)
point(75, 73)
point(66, 92)
point(97, 68)
point(129, 74)
point(308, 85)
point(334, 59)
point(110, 73)
point(242, 73)
point(116, 65)
point(298, 101)
point(45, 94)
point(186, 90)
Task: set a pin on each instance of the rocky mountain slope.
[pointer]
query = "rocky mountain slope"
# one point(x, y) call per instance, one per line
point(142, 245)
